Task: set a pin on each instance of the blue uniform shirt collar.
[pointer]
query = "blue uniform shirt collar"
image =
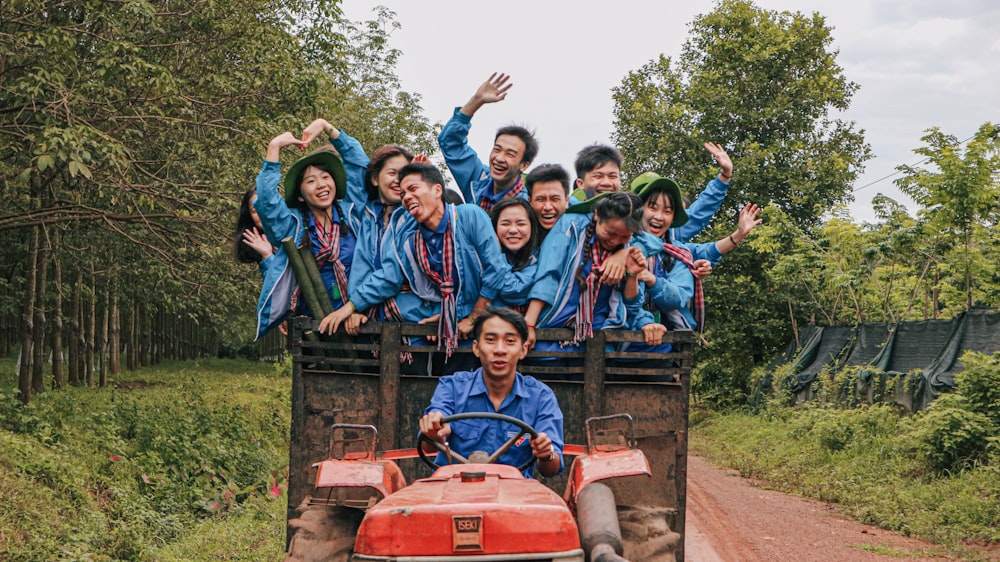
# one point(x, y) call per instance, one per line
point(442, 226)
point(479, 387)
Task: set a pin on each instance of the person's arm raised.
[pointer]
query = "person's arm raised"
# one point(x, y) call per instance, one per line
point(494, 89)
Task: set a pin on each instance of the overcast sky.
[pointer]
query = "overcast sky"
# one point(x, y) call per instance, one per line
point(919, 63)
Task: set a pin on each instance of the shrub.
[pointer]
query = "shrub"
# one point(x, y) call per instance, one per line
point(951, 435)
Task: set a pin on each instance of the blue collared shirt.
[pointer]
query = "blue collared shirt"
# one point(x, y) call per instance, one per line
point(530, 400)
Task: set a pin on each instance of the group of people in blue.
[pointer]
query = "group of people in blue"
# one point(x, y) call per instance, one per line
point(587, 255)
point(393, 243)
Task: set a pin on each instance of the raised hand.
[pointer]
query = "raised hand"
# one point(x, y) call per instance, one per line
point(318, 128)
point(494, 89)
point(722, 158)
point(281, 141)
point(748, 219)
point(421, 159)
point(253, 238)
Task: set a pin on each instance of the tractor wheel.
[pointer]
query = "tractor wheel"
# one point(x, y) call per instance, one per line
point(324, 534)
point(646, 535)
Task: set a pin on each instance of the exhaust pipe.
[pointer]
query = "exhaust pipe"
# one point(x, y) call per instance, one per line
point(597, 518)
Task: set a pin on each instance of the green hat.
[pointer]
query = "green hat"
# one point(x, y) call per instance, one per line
point(649, 182)
point(588, 206)
point(325, 156)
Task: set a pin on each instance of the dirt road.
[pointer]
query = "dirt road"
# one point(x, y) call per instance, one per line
point(731, 520)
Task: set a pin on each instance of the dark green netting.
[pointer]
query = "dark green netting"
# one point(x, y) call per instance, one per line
point(926, 354)
point(833, 345)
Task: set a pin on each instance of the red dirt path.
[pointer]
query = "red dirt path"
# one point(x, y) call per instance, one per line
point(731, 520)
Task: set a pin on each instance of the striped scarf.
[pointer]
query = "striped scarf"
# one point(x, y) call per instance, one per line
point(588, 295)
point(329, 252)
point(448, 323)
point(487, 203)
point(698, 301)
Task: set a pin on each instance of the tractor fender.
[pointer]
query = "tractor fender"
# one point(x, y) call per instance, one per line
point(604, 465)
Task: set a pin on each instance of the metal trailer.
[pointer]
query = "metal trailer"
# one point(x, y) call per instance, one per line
point(358, 381)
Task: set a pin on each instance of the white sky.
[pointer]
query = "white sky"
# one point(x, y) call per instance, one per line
point(919, 63)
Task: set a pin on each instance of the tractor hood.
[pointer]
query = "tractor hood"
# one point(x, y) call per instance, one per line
point(469, 511)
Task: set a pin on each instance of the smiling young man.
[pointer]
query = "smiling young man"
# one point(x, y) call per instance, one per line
point(598, 170)
point(445, 255)
point(500, 342)
point(548, 194)
point(513, 150)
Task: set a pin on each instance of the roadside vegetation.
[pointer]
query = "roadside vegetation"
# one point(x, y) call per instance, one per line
point(934, 474)
point(182, 461)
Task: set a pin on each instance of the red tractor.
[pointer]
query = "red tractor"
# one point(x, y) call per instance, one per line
point(623, 493)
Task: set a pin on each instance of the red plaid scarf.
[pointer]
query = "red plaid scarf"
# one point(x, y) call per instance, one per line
point(588, 294)
point(329, 252)
point(392, 314)
point(698, 301)
point(448, 323)
point(487, 203)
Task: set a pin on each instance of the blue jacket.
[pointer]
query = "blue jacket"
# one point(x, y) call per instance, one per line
point(672, 293)
point(482, 268)
point(277, 286)
point(470, 173)
point(556, 285)
point(518, 284)
point(701, 211)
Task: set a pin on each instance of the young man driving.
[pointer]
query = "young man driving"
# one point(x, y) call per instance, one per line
point(500, 342)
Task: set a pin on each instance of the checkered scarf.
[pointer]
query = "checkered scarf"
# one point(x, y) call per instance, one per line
point(698, 301)
point(329, 252)
point(448, 323)
point(392, 314)
point(487, 204)
point(588, 294)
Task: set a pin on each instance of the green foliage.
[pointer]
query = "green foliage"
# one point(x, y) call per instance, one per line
point(136, 128)
point(958, 196)
point(113, 473)
point(763, 84)
point(952, 436)
point(962, 429)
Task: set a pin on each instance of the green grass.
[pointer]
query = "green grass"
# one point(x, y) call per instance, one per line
point(172, 462)
point(863, 459)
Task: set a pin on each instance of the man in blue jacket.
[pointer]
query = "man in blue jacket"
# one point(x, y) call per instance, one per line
point(514, 148)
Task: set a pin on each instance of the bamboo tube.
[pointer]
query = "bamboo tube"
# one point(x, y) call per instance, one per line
point(306, 287)
point(309, 261)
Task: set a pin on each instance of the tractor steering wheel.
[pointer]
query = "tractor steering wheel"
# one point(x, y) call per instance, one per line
point(452, 455)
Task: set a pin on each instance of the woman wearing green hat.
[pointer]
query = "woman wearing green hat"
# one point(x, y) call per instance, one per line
point(314, 188)
point(568, 292)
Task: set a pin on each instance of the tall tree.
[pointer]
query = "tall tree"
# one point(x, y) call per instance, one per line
point(135, 128)
point(960, 198)
point(765, 85)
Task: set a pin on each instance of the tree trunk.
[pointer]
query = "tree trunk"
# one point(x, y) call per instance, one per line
point(143, 338)
point(91, 331)
point(935, 292)
point(105, 317)
point(75, 332)
point(57, 324)
point(27, 319)
point(158, 337)
point(41, 284)
point(116, 334)
point(134, 357)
